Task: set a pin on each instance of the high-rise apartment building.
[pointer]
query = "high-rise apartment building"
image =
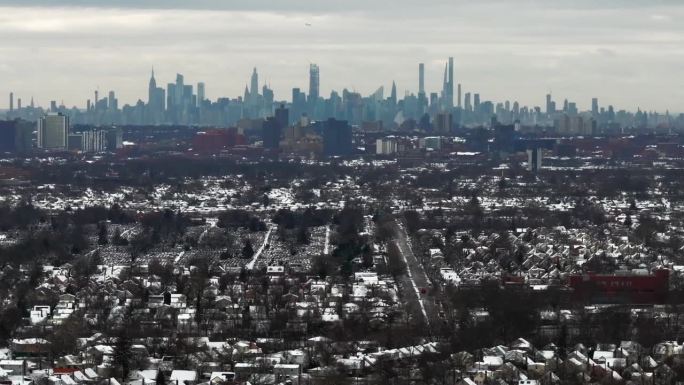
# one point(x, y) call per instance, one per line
point(53, 130)
point(337, 138)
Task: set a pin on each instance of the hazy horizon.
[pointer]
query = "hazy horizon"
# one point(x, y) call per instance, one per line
point(626, 53)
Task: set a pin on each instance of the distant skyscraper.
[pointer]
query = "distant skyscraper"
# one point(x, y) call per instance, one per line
point(459, 96)
point(156, 100)
point(268, 97)
point(171, 96)
point(421, 78)
point(468, 106)
point(393, 94)
point(282, 116)
point(180, 87)
point(254, 84)
point(314, 83)
point(200, 93)
point(445, 82)
point(434, 100)
point(151, 89)
point(549, 105)
point(53, 130)
point(594, 106)
point(450, 84)
point(188, 97)
point(19, 103)
point(476, 102)
point(11, 104)
point(113, 102)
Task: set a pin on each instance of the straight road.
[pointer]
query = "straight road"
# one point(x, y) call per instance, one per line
point(417, 276)
point(250, 265)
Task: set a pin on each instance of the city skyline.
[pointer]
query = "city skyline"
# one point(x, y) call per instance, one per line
point(578, 51)
point(449, 88)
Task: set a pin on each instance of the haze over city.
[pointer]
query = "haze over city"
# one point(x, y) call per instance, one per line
point(626, 53)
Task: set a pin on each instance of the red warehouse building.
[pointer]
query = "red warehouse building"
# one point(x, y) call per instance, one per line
point(621, 288)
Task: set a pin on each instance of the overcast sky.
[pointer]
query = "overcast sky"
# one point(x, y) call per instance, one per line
point(629, 53)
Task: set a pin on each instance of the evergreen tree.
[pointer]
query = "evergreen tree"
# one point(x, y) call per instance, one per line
point(161, 378)
point(248, 250)
point(302, 236)
point(102, 234)
point(122, 354)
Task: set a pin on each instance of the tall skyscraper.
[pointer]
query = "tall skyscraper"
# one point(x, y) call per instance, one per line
point(421, 78)
point(180, 87)
point(187, 97)
point(445, 82)
point(393, 94)
point(450, 84)
point(254, 84)
point(156, 100)
point(314, 83)
point(171, 96)
point(594, 106)
point(459, 96)
point(200, 93)
point(151, 89)
point(53, 131)
point(468, 106)
point(113, 102)
point(549, 104)
point(11, 104)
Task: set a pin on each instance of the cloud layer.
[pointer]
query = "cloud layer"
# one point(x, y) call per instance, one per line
point(627, 53)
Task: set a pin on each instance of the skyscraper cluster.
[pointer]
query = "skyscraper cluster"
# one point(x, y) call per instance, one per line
point(183, 103)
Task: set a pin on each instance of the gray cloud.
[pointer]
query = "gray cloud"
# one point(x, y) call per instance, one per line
point(337, 6)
